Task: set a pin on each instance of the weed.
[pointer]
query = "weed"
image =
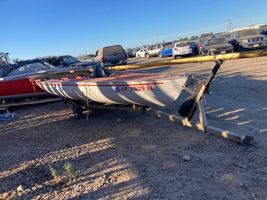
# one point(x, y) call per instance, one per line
point(69, 170)
point(55, 175)
point(58, 177)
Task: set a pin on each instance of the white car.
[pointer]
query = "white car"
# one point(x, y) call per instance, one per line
point(154, 50)
point(142, 53)
point(182, 49)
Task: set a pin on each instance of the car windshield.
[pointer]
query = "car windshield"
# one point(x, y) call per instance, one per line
point(215, 41)
point(69, 60)
point(246, 33)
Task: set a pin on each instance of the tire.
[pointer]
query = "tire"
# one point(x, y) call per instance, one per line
point(77, 111)
point(160, 55)
point(174, 57)
point(147, 55)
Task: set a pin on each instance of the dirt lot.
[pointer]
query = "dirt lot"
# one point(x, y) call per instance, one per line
point(125, 155)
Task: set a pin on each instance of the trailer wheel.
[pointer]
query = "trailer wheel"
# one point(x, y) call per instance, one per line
point(77, 111)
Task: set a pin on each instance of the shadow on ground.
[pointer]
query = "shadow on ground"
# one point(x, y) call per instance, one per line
point(122, 155)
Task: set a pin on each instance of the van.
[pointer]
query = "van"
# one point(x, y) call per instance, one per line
point(111, 55)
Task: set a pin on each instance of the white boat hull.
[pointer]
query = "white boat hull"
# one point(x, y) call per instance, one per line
point(126, 89)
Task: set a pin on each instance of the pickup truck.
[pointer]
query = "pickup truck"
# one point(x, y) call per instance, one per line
point(248, 39)
point(154, 50)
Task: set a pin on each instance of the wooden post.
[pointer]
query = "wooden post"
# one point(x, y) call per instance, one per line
point(203, 122)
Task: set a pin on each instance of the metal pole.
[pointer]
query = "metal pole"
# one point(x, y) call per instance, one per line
point(223, 57)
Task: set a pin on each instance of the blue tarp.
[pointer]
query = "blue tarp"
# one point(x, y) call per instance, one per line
point(6, 116)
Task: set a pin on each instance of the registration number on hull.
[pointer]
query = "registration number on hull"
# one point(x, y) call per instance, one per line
point(134, 88)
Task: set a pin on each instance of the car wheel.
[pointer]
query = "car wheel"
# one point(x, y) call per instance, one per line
point(160, 55)
point(147, 55)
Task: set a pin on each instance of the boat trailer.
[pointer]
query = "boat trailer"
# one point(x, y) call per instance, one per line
point(25, 102)
point(192, 106)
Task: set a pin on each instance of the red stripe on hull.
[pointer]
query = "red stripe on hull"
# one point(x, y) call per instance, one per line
point(114, 85)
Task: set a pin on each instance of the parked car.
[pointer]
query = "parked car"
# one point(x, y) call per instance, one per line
point(57, 61)
point(202, 39)
point(142, 53)
point(20, 63)
point(111, 55)
point(154, 50)
point(207, 35)
point(167, 51)
point(216, 45)
point(184, 48)
point(263, 29)
point(5, 64)
point(62, 61)
point(87, 57)
point(68, 61)
point(226, 35)
point(130, 53)
point(248, 39)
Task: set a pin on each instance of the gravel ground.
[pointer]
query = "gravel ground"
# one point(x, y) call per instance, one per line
point(126, 155)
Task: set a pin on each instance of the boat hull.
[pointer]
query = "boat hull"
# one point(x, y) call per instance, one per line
point(21, 88)
point(139, 89)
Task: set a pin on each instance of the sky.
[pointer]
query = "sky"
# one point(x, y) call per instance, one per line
point(33, 28)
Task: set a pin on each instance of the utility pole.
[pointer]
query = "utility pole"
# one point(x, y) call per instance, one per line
point(229, 22)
